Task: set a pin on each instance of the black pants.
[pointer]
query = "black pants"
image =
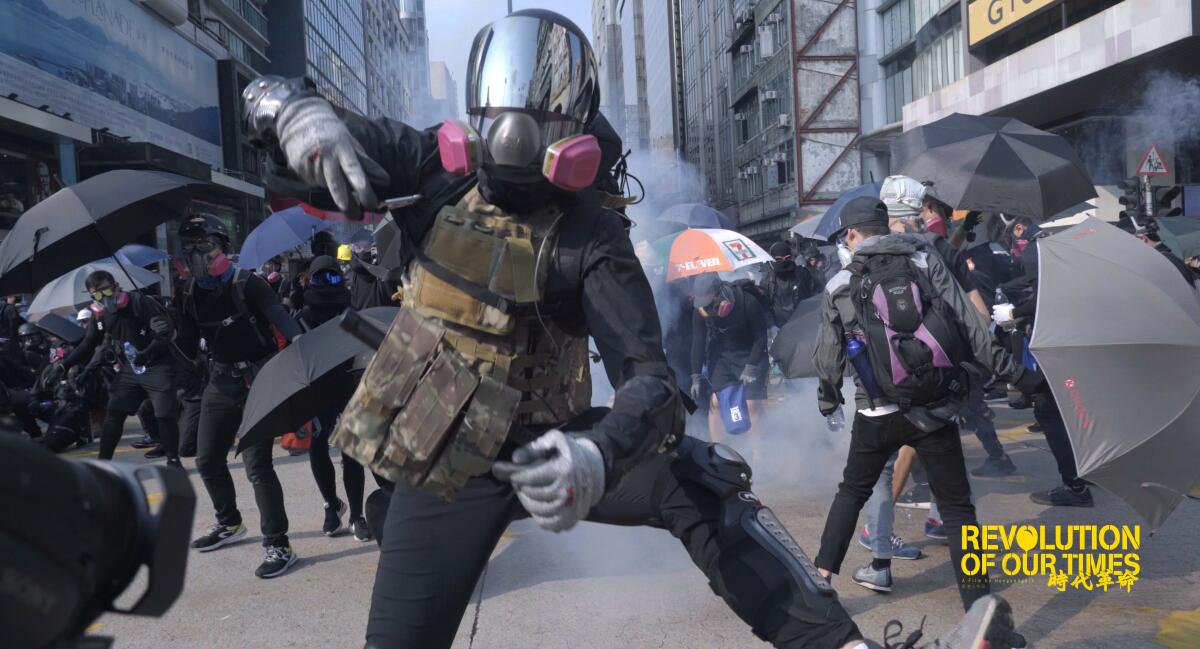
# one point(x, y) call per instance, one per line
point(1046, 413)
point(220, 415)
point(189, 424)
point(129, 393)
point(433, 553)
point(322, 468)
point(872, 441)
point(977, 417)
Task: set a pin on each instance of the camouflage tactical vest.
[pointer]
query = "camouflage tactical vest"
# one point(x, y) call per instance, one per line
point(470, 355)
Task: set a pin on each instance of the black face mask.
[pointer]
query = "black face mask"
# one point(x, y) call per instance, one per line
point(327, 296)
point(516, 197)
point(784, 267)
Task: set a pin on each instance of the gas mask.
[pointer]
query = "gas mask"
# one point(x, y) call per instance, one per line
point(531, 91)
point(720, 307)
point(107, 300)
point(201, 264)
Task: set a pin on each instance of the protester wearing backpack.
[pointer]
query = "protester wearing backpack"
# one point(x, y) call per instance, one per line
point(896, 305)
point(244, 324)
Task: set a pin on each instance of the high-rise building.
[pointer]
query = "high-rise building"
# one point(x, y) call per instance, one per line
point(443, 91)
point(708, 127)
point(661, 41)
point(385, 42)
point(416, 81)
point(323, 40)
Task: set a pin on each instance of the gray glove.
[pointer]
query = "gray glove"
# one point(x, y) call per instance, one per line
point(322, 153)
point(162, 327)
point(558, 478)
point(697, 387)
point(749, 375)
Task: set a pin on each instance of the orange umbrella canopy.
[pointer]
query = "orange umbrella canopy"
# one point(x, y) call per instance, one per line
point(706, 250)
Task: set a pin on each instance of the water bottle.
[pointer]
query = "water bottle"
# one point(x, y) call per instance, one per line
point(857, 350)
point(130, 353)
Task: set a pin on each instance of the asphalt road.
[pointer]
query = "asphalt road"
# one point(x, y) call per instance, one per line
point(600, 587)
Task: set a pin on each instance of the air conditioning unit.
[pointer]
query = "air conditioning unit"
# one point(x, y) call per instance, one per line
point(746, 49)
point(739, 117)
point(780, 157)
point(784, 120)
point(770, 94)
point(752, 170)
point(741, 175)
point(774, 18)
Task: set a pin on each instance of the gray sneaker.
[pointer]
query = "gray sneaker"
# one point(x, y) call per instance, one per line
point(879, 581)
point(988, 624)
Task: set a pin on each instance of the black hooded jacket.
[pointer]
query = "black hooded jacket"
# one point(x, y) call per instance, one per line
point(595, 285)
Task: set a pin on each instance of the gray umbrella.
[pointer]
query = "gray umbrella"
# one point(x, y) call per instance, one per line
point(1118, 336)
point(67, 293)
point(796, 341)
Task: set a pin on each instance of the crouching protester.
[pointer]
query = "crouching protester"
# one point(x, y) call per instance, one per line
point(477, 404)
point(896, 314)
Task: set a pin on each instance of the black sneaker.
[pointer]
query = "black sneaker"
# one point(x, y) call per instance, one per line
point(155, 453)
point(277, 562)
point(988, 624)
point(995, 394)
point(1019, 402)
point(174, 461)
point(333, 518)
point(1064, 496)
point(360, 529)
point(219, 535)
point(995, 467)
point(145, 442)
point(1035, 428)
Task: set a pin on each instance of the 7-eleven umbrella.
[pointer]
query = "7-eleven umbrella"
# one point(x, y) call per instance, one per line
point(704, 250)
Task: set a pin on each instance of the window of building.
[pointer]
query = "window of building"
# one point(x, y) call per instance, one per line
point(897, 25)
point(898, 91)
point(939, 65)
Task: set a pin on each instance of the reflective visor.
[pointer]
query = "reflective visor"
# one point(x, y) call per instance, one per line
point(529, 64)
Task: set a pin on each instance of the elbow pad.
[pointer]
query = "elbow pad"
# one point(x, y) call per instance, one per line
point(263, 100)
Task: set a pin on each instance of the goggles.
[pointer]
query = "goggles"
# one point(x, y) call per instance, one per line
point(198, 245)
point(101, 293)
point(327, 278)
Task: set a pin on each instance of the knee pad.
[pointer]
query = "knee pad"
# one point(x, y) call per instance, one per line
point(766, 566)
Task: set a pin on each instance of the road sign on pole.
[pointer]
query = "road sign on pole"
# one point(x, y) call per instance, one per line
point(1153, 163)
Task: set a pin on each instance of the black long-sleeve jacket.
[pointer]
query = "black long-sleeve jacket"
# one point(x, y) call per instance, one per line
point(732, 342)
point(202, 312)
point(595, 285)
point(132, 324)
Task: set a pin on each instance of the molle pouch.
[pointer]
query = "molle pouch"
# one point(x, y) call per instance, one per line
point(387, 385)
point(485, 425)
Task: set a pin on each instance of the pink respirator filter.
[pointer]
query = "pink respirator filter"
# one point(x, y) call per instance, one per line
point(572, 164)
point(458, 146)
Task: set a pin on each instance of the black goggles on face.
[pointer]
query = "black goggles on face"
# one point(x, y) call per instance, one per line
point(207, 244)
point(326, 278)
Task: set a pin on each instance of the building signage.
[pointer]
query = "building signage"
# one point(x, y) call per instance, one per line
point(987, 18)
point(111, 64)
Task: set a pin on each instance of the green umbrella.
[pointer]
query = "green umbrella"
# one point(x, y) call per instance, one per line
point(1181, 234)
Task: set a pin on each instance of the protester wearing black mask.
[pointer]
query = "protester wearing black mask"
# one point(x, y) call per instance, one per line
point(786, 284)
point(121, 324)
point(238, 316)
point(325, 299)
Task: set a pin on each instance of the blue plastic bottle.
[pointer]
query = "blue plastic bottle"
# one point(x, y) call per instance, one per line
point(857, 351)
point(130, 354)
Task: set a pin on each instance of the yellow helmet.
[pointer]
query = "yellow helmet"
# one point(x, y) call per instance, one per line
point(343, 253)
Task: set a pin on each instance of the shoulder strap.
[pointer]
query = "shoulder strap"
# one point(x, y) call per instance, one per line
point(238, 294)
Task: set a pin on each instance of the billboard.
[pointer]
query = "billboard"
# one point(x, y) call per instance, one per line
point(112, 64)
point(987, 18)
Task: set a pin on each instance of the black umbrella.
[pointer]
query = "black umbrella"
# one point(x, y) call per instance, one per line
point(60, 327)
point(307, 379)
point(88, 220)
point(797, 340)
point(994, 164)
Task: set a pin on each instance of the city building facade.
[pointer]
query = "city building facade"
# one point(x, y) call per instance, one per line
point(1114, 77)
point(385, 42)
point(322, 40)
point(414, 79)
point(443, 91)
point(707, 133)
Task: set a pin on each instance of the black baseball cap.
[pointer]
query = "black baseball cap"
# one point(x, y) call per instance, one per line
point(861, 211)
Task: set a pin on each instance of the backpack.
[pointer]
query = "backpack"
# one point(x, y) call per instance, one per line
point(914, 340)
point(267, 335)
point(755, 291)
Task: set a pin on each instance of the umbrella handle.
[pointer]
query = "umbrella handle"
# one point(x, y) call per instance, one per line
point(366, 331)
point(37, 240)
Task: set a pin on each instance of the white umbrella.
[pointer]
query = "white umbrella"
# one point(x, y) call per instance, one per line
point(67, 293)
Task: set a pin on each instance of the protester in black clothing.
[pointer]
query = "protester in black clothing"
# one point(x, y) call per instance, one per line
point(368, 284)
point(1018, 317)
point(729, 340)
point(327, 298)
point(1150, 237)
point(10, 317)
point(786, 284)
point(121, 329)
point(882, 424)
point(237, 314)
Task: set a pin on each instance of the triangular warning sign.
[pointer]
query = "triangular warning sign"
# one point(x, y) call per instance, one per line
point(1153, 164)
